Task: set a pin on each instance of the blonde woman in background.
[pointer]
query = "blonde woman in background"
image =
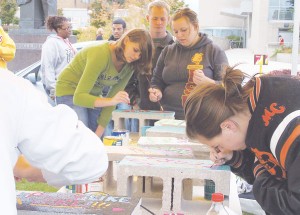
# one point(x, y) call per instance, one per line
point(99, 34)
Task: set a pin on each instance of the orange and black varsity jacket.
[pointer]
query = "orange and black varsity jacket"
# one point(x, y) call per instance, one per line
point(272, 159)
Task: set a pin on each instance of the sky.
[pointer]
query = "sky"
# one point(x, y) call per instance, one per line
point(193, 4)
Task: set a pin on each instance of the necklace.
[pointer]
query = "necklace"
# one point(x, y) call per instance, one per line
point(66, 41)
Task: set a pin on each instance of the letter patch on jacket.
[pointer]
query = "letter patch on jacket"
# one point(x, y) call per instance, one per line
point(269, 113)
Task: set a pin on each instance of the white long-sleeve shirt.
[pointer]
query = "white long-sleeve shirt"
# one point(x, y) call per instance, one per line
point(56, 54)
point(51, 138)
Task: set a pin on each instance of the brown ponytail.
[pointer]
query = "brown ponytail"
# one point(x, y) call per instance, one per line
point(210, 104)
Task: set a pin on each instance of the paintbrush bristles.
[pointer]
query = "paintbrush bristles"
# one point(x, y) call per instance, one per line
point(161, 107)
point(213, 164)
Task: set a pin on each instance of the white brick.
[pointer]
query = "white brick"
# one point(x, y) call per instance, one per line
point(168, 168)
point(172, 142)
point(166, 131)
point(117, 153)
point(170, 122)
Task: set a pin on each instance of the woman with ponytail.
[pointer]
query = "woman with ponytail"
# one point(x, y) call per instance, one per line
point(254, 128)
point(57, 52)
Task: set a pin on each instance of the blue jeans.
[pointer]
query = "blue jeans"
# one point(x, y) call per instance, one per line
point(51, 101)
point(88, 116)
point(132, 125)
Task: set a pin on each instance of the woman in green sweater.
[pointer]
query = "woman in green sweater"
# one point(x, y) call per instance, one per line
point(106, 64)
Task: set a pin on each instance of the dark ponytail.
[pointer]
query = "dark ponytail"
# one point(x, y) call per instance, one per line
point(55, 22)
point(235, 94)
point(210, 104)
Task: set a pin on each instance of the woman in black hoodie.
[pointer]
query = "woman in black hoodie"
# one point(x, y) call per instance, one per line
point(192, 60)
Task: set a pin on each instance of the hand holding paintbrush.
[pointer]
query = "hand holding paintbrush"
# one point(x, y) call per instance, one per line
point(220, 156)
point(214, 155)
point(155, 95)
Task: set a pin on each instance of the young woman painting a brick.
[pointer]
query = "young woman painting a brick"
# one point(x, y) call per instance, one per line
point(255, 129)
point(107, 64)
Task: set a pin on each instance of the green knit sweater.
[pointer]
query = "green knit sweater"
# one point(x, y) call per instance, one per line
point(88, 73)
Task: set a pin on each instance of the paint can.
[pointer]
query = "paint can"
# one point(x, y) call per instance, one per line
point(123, 133)
point(112, 141)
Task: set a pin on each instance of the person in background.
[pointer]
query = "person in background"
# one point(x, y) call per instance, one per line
point(60, 148)
point(99, 66)
point(99, 34)
point(192, 60)
point(254, 128)
point(158, 18)
point(118, 29)
point(137, 87)
point(7, 48)
point(281, 40)
point(57, 52)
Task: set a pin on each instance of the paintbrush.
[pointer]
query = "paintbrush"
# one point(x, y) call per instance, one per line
point(213, 164)
point(161, 107)
point(217, 150)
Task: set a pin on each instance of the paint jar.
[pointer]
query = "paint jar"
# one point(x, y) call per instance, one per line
point(209, 188)
point(123, 133)
point(70, 188)
point(112, 141)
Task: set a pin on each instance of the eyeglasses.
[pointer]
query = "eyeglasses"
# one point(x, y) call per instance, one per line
point(68, 28)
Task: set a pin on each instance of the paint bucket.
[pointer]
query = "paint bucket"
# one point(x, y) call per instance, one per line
point(123, 133)
point(112, 141)
point(209, 188)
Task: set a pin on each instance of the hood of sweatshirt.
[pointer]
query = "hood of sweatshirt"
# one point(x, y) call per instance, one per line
point(183, 55)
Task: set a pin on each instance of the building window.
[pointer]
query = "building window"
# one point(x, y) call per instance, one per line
point(235, 36)
point(281, 10)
